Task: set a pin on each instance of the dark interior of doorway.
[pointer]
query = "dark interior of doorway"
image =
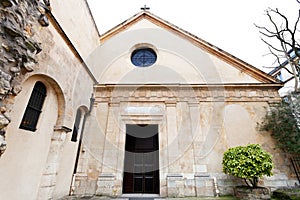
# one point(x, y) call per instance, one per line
point(141, 167)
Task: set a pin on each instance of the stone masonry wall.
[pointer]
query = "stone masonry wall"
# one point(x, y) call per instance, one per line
point(19, 48)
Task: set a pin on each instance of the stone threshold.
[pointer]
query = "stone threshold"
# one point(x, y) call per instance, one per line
point(121, 197)
point(135, 196)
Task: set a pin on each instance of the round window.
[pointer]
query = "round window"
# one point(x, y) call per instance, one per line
point(143, 57)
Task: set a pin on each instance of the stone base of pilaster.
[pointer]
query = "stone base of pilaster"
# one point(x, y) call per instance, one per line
point(204, 185)
point(84, 186)
point(107, 185)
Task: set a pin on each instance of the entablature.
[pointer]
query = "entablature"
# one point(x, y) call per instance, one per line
point(188, 93)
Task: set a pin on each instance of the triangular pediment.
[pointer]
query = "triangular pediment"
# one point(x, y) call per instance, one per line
point(230, 68)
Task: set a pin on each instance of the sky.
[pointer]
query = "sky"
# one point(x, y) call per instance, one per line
point(227, 24)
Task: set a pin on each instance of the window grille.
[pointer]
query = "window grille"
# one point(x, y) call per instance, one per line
point(144, 57)
point(34, 107)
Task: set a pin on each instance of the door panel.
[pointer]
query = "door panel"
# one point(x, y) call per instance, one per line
point(141, 173)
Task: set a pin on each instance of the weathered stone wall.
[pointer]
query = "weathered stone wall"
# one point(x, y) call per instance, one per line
point(19, 21)
point(40, 164)
point(78, 24)
point(196, 126)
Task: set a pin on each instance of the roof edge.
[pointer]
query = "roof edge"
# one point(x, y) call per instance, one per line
point(122, 26)
point(214, 50)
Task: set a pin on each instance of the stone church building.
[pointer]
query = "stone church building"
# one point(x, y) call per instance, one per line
point(146, 108)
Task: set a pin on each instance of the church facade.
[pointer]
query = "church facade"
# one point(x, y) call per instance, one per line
point(146, 108)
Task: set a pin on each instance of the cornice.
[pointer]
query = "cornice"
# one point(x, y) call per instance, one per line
point(187, 93)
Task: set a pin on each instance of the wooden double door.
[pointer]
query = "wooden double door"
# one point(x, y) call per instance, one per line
point(141, 167)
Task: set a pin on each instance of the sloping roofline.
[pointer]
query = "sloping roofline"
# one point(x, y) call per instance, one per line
point(236, 62)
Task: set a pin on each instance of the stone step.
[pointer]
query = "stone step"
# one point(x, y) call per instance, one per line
point(146, 198)
point(141, 198)
point(108, 198)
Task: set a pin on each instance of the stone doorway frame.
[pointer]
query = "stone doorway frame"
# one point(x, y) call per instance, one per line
point(142, 115)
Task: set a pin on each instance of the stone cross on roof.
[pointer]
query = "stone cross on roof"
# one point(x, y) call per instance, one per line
point(145, 8)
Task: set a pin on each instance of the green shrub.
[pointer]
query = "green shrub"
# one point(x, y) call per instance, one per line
point(283, 121)
point(249, 162)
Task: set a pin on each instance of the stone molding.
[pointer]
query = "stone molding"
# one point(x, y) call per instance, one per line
point(193, 94)
point(62, 128)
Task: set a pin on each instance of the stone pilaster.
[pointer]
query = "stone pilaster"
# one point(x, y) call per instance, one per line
point(90, 159)
point(106, 185)
point(204, 185)
point(48, 179)
point(164, 152)
point(186, 141)
point(172, 142)
point(107, 177)
point(175, 184)
point(111, 138)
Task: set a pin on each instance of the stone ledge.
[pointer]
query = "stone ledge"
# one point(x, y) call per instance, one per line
point(174, 176)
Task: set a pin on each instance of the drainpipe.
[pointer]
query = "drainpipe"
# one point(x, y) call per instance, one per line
point(216, 190)
point(72, 187)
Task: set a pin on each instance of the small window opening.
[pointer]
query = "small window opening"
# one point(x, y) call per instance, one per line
point(76, 126)
point(143, 57)
point(34, 107)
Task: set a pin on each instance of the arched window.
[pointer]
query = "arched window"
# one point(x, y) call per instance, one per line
point(34, 107)
point(76, 125)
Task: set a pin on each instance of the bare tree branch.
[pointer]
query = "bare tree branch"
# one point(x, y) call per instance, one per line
point(287, 50)
point(287, 70)
point(274, 54)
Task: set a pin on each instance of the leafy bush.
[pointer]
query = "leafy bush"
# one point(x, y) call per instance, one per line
point(283, 123)
point(249, 162)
